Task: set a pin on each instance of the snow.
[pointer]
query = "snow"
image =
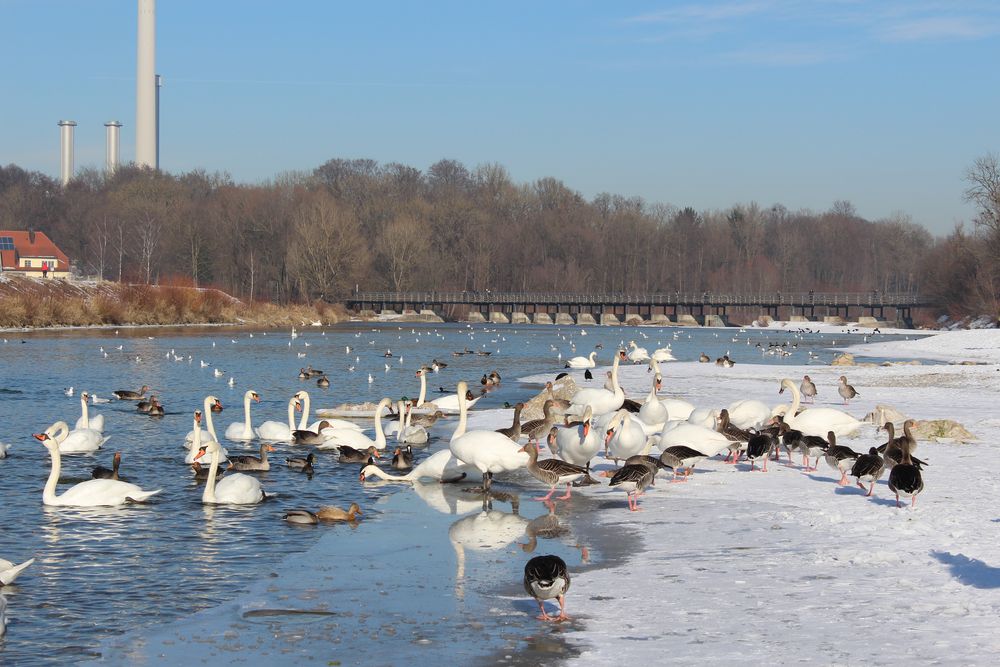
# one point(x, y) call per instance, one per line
point(786, 566)
point(978, 345)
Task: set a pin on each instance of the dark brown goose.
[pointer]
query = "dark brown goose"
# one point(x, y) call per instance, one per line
point(546, 578)
point(301, 463)
point(402, 458)
point(905, 478)
point(868, 468)
point(552, 472)
point(156, 409)
point(100, 472)
point(892, 450)
point(680, 458)
point(351, 455)
point(129, 395)
point(840, 457)
point(846, 391)
point(307, 437)
point(251, 463)
point(633, 480)
point(536, 429)
point(425, 420)
point(514, 430)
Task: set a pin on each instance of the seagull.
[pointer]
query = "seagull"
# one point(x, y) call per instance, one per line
point(370, 378)
point(387, 368)
point(95, 399)
point(301, 354)
point(232, 381)
point(203, 364)
point(69, 391)
point(219, 373)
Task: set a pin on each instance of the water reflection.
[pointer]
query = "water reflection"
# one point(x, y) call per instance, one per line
point(490, 530)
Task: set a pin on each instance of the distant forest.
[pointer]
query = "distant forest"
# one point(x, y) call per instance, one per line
point(315, 235)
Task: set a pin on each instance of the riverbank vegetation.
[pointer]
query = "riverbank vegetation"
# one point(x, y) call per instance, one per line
point(26, 302)
point(315, 235)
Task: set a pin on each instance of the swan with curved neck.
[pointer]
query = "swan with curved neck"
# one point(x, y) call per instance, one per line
point(816, 421)
point(93, 492)
point(408, 433)
point(653, 412)
point(624, 438)
point(243, 430)
point(235, 489)
point(77, 441)
point(422, 374)
point(488, 451)
point(196, 444)
point(601, 401)
point(590, 361)
point(277, 431)
point(353, 438)
point(577, 444)
point(86, 421)
point(441, 466)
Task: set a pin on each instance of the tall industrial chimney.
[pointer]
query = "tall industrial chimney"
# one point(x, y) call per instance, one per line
point(111, 146)
point(159, 84)
point(66, 150)
point(145, 86)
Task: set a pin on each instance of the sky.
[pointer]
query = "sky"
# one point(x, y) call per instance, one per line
point(705, 104)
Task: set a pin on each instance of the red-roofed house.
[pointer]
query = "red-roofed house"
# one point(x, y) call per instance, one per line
point(31, 253)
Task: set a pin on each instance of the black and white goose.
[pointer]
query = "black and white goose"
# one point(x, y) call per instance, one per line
point(905, 478)
point(840, 457)
point(813, 447)
point(759, 447)
point(402, 458)
point(552, 472)
point(546, 578)
point(301, 463)
point(868, 468)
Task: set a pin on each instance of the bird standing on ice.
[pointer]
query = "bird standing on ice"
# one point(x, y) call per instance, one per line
point(547, 578)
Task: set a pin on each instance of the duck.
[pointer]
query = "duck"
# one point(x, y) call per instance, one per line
point(301, 463)
point(678, 458)
point(243, 430)
point(840, 457)
point(201, 472)
point(301, 517)
point(252, 463)
point(91, 493)
point(350, 454)
point(352, 438)
point(155, 408)
point(441, 466)
point(868, 468)
point(846, 391)
point(816, 421)
point(275, 431)
point(633, 480)
point(547, 578)
point(808, 389)
point(100, 472)
point(552, 472)
point(402, 458)
point(323, 382)
point(85, 420)
point(590, 361)
point(514, 430)
point(704, 358)
point(488, 451)
point(905, 478)
point(77, 441)
point(331, 513)
point(601, 401)
point(129, 395)
point(9, 572)
point(624, 437)
point(235, 489)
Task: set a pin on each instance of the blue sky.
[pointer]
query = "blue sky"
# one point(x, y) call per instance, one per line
point(707, 104)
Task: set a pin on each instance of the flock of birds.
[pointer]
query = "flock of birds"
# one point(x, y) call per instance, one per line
point(573, 429)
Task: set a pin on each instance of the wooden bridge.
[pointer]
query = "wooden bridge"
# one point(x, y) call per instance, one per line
point(679, 307)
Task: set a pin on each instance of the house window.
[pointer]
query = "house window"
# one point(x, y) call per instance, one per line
point(27, 263)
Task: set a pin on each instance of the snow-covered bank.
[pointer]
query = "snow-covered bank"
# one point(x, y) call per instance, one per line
point(979, 345)
point(786, 566)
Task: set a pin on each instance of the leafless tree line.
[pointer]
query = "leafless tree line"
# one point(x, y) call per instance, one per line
point(357, 222)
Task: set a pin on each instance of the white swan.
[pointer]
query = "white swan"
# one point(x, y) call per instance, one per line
point(589, 361)
point(422, 374)
point(407, 432)
point(356, 439)
point(637, 354)
point(440, 466)
point(653, 412)
point(452, 402)
point(78, 441)
point(235, 489)
point(93, 492)
point(273, 431)
point(663, 354)
point(195, 445)
point(577, 444)
point(706, 417)
point(95, 422)
point(488, 451)
point(243, 430)
point(705, 440)
point(303, 396)
point(601, 401)
point(817, 421)
point(624, 436)
point(749, 413)
point(9, 572)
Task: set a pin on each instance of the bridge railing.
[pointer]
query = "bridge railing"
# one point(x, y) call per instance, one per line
point(797, 299)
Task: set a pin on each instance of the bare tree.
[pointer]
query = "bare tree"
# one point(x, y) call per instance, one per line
point(404, 243)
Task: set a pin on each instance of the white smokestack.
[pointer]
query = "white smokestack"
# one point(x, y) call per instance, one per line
point(145, 86)
point(66, 150)
point(111, 146)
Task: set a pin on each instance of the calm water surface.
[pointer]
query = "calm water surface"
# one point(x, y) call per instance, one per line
point(104, 572)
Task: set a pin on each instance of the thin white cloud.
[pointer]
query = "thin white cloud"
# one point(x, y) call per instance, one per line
point(939, 28)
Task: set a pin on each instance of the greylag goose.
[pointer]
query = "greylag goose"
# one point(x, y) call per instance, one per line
point(680, 457)
point(892, 450)
point(868, 468)
point(840, 457)
point(514, 430)
point(145, 405)
point(546, 578)
point(129, 395)
point(559, 405)
point(337, 514)
point(307, 437)
point(536, 429)
point(156, 408)
point(808, 389)
point(100, 472)
point(552, 472)
point(252, 463)
point(905, 478)
point(323, 382)
point(349, 454)
point(704, 358)
point(633, 480)
point(201, 472)
point(425, 420)
point(846, 391)
point(402, 458)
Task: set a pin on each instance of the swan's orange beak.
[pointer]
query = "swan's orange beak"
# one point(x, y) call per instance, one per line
point(659, 384)
point(218, 404)
point(361, 477)
point(256, 397)
point(298, 406)
point(41, 437)
point(197, 419)
point(201, 452)
point(586, 429)
point(608, 436)
point(270, 448)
